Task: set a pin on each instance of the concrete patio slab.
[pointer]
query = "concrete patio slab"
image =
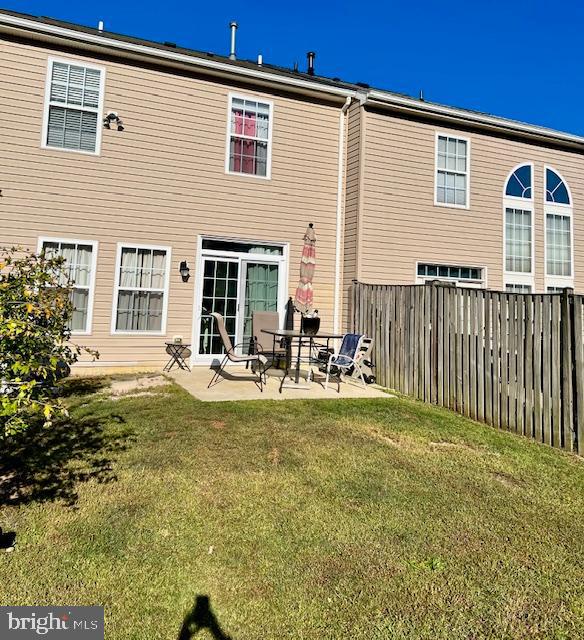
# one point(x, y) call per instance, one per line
point(237, 384)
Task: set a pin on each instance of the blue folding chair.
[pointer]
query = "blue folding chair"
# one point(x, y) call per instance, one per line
point(345, 358)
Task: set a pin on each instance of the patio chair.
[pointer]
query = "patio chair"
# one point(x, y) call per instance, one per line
point(263, 342)
point(256, 359)
point(345, 359)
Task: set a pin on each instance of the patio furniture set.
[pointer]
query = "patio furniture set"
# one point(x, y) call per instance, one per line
point(292, 354)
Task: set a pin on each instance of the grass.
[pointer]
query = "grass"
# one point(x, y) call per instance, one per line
point(358, 519)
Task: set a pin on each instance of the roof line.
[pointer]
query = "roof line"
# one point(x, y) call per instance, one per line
point(377, 97)
point(101, 40)
point(13, 23)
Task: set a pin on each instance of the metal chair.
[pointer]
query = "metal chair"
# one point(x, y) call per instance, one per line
point(258, 359)
point(264, 343)
point(346, 358)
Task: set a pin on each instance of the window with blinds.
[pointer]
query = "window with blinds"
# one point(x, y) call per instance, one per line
point(78, 272)
point(142, 283)
point(73, 106)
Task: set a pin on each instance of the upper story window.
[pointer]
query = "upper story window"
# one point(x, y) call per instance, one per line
point(78, 271)
point(556, 190)
point(519, 183)
point(73, 104)
point(249, 136)
point(452, 171)
point(518, 229)
point(559, 268)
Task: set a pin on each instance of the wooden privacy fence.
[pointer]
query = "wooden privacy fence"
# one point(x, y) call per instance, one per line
point(514, 361)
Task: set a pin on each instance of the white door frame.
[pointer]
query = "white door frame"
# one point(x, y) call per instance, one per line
point(240, 257)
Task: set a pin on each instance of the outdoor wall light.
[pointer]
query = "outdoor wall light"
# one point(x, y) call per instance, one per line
point(110, 117)
point(184, 271)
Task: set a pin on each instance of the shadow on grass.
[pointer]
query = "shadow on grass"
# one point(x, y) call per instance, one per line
point(46, 464)
point(82, 386)
point(201, 617)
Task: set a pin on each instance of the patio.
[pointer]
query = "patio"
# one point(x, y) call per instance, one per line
point(237, 383)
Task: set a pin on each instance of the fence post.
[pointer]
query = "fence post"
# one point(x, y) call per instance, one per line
point(568, 366)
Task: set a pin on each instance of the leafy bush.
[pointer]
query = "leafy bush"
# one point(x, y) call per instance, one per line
point(35, 347)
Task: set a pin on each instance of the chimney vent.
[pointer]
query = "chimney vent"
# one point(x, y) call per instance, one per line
point(100, 25)
point(310, 56)
point(233, 27)
point(260, 59)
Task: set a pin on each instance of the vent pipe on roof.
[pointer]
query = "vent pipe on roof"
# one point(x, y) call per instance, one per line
point(310, 55)
point(233, 27)
point(100, 25)
point(260, 59)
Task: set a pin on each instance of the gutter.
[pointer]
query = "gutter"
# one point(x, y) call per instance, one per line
point(404, 104)
point(339, 229)
point(16, 25)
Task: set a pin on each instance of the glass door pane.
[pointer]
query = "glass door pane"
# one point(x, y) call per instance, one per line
point(260, 292)
point(220, 294)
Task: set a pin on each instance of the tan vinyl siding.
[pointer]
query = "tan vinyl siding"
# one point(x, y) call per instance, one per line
point(401, 225)
point(162, 182)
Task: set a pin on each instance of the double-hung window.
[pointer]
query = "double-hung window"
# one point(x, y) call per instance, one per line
point(141, 293)
point(452, 171)
point(518, 229)
point(78, 271)
point(558, 232)
point(73, 104)
point(249, 137)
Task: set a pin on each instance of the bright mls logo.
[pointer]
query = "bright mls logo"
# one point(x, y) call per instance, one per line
point(53, 623)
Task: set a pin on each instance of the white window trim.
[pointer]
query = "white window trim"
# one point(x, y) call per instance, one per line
point(45, 128)
point(283, 260)
point(94, 248)
point(165, 291)
point(559, 209)
point(270, 104)
point(482, 283)
point(436, 169)
point(525, 204)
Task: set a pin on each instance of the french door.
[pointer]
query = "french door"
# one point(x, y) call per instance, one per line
point(235, 285)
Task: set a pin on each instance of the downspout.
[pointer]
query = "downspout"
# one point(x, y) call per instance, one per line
point(339, 234)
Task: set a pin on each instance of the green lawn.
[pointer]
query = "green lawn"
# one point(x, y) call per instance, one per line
point(358, 519)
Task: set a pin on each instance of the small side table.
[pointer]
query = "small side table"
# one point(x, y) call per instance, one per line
point(176, 350)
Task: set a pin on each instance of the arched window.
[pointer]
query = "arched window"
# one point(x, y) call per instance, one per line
point(556, 190)
point(519, 183)
point(559, 268)
point(518, 229)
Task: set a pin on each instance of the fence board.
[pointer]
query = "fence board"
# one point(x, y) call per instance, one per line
point(556, 375)
point(528, 366)
point(578, 360)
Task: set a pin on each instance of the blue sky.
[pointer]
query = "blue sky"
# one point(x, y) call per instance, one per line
point(516, 59)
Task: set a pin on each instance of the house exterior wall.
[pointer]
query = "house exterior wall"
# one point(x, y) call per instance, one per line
point(400, 224)
point(162, 181)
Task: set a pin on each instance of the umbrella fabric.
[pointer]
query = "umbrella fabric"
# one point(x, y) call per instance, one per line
point(304, 293)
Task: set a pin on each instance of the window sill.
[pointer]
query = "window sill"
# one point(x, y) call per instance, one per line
point(247, 175)
point(445, 205)
point(79, 151)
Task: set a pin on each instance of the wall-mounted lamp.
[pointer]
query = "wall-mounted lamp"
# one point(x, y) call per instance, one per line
point(112, 116)
point(184, 271)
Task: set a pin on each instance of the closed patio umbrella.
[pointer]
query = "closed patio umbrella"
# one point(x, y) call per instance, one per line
point(304, 293)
